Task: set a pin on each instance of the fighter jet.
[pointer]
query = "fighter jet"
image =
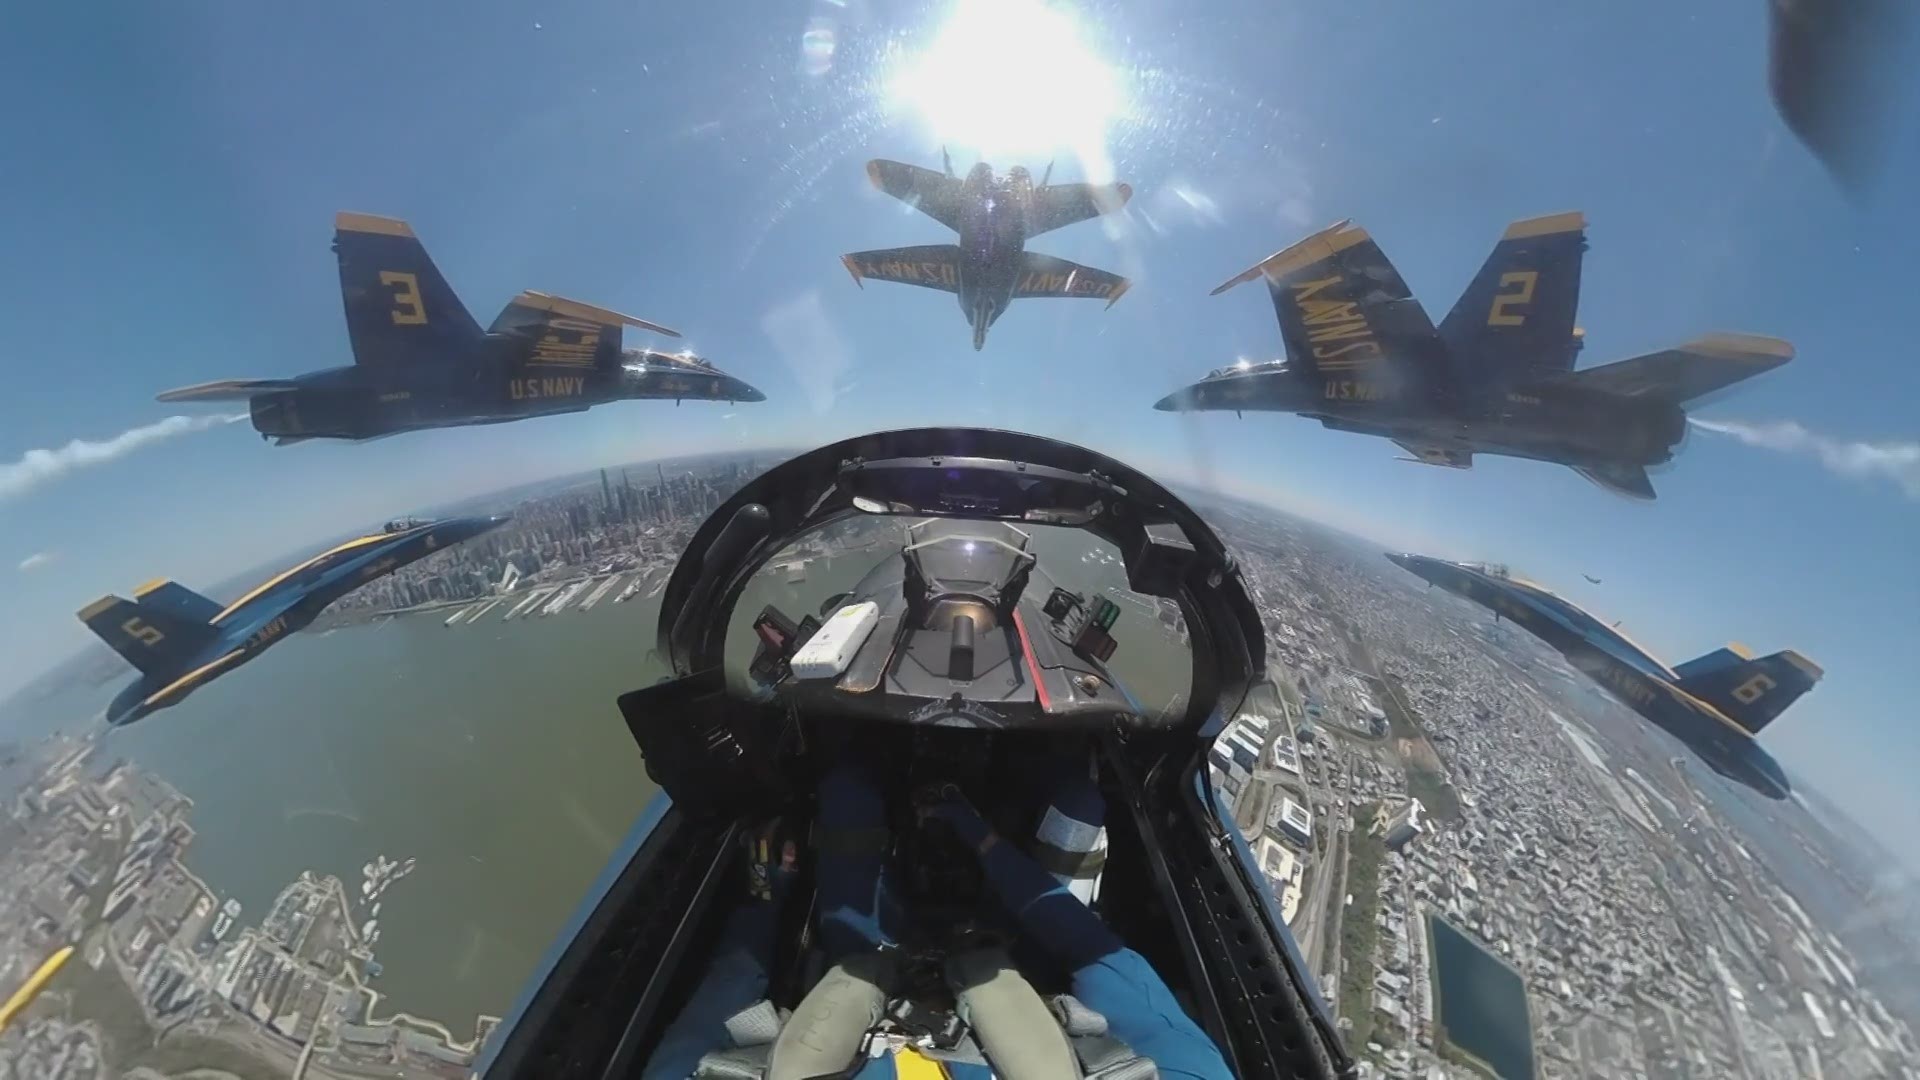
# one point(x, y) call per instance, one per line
point(179, 640)
point(420, 361)
point(1496, 377)
point(1715, 704)
point(1591, 580)
point(990, 267)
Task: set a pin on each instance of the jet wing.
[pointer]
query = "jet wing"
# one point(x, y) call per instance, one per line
point(1045, 275)
point(1700, 367)
point(1629, 480)
point(227, 390)
point(567, 333)
point(1064, 204)
point(930, 266)
point(1428, 454)
point(1347, 317)
point(933, 194)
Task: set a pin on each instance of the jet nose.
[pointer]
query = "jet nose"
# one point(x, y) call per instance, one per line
point(743, 392)
point(1187, 397)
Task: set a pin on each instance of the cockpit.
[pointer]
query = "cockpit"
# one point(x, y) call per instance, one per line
point(1246, 367)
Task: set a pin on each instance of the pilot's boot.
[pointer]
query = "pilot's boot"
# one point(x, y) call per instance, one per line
point(1013, 1025)
point(825, 1031)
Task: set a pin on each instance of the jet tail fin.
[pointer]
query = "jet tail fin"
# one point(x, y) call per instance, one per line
point(159, 633)
point(1751, 692)
point(400, 310)
point(1681, 374)
point(1518, 313)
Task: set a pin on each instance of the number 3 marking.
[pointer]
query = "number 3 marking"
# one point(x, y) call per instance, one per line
point(1525, 279)
point(407, 309)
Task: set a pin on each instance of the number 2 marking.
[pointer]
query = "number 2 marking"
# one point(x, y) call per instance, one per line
point(407, 309)
point(1502, 300)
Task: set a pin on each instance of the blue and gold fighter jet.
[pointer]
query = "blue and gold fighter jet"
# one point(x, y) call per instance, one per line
point(180, 640)
point(990, 267)
point(1715, 704)
point(1495, 377)
point(420, 361)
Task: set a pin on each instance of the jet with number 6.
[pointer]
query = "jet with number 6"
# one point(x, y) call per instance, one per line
point(1495, 377)
point(1716, 704)
point(420, 361)
point(180, 640)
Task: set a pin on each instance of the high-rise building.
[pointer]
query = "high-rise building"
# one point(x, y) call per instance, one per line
point(1398, 826)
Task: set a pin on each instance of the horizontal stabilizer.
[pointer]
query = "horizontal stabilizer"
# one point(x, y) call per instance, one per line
point(228, 390)
point(1750, 692)
point(153, 637)
point(1428, 454)
point(1045, 275)
point(1629, 480)
point(930, 266)
point(1683, 373)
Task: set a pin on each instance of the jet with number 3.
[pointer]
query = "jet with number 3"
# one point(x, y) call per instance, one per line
point(1715, 704)
point(990, 267)
point(420, 361)
point(180, 640)
point(1495, 377)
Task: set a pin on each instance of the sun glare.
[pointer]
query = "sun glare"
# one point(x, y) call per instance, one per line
point(1012, 78)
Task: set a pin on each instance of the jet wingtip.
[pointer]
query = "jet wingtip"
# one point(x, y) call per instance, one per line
point(1757, 348)
point(1119, 290)
point(1324, 244)
point(854, 269)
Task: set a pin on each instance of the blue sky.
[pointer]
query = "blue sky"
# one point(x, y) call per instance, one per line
point(175, 170)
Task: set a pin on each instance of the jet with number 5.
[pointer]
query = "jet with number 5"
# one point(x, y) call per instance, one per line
point(179, 640)
point(990, 267)
point(420, 361)
point(1495, 377)
point(1715, 704)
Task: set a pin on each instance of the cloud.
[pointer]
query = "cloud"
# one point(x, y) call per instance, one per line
point(35, 561)
point(811, 346)
point(44, 466)
point(1895, 461)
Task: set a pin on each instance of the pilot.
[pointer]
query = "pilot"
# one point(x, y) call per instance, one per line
point(1121, 1020)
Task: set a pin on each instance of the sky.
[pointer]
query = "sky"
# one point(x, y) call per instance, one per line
point(172, 183)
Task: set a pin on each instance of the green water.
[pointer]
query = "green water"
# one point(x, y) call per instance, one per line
point(492, 753)
point(1482, 1004)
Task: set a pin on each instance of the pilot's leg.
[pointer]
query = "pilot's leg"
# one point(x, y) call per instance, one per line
point(737, 976)
point(1071, 840)
point(856, 910)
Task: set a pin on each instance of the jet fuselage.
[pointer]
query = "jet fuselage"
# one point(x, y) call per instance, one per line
point(1561, 423)
point(993, 236)
point(289, 602)
point(1623, 669)
point(498, 386)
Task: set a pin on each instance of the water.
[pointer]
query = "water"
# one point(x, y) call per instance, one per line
point(491, 752)
point(1481, 1004)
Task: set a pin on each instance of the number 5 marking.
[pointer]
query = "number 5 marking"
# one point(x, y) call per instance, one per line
point(1502, 300)
point(144, 634)
point(407, 309)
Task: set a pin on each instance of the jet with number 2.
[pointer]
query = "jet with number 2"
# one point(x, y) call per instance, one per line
point(179, 639)
point(420, 361)
point(1715, 703)
point(1495, 377)
point(990, 267)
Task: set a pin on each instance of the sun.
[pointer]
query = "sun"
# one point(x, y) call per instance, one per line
point(1012, 79)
